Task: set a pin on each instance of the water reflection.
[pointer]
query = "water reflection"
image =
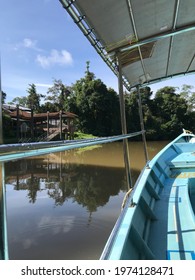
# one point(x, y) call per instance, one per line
point(64, 205)
point(81, 183)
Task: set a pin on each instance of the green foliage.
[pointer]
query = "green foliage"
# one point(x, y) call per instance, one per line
point(98, 110)
point(164, 115)
point(170, 110)
point(21, 101)
point(96, 106)
point(33, 98)
point(189, 96)
point(3, 97)
point(48, 107)
point(58, 95)
point(9, 134)
point(81, 135)
point(132, 110)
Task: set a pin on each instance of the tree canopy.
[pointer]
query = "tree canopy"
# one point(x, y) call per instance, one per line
point(33, 98)
point(97, 107)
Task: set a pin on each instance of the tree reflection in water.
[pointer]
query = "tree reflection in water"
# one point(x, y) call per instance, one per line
point(64, 180)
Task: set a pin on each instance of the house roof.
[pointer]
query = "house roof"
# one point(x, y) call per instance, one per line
point(25, 115)
point(155, 39)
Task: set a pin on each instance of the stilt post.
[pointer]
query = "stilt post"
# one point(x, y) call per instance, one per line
point(18, 122)
point(123, 123)
point(60, 115)
point(47, 123)
point(142, 124)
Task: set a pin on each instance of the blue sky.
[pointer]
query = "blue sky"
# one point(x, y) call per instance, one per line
point(40, 42)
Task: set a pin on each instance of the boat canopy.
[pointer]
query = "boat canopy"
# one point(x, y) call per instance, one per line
point(155, 39)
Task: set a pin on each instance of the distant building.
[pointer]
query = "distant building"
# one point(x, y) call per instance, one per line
point(41, 126)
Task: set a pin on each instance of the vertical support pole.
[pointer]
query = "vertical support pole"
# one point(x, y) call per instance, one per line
point(68, 123)
point(60, 115)
point(142, 124)
point(35, 129)
point(32, 123)
point(1, 102)
point(123, 123)
point(17, 123)
point(3, 211)
point(47, 123)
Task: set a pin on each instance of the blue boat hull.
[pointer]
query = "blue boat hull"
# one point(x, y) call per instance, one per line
point(158, 220)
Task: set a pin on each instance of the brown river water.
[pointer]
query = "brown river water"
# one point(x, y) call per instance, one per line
point(64, 205)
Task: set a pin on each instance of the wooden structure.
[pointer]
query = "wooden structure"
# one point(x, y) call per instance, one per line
point(41, 126)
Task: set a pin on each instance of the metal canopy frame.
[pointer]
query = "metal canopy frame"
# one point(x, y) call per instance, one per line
point(129, 26)
point(142, 41)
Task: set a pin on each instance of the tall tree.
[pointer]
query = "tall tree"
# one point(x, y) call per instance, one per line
point(132, 109)
point(96, 105)
point(58, 95)
point(33, 98)
point(170, 111)
point(189, 95)
point(21, 101)
point(3, 97)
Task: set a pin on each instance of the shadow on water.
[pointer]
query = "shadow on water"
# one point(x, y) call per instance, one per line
point(64, 205)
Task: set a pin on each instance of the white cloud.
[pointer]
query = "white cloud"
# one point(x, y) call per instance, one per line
point(58, 224)
point(62, 57)
point(28, 44)
point(43, 85)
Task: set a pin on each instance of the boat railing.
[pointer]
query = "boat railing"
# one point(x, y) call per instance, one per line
point(17, 151)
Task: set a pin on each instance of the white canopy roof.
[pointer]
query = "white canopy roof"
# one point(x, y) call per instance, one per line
point(155, 38)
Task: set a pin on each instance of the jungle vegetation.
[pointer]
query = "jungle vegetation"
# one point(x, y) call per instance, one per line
point(97, 106)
